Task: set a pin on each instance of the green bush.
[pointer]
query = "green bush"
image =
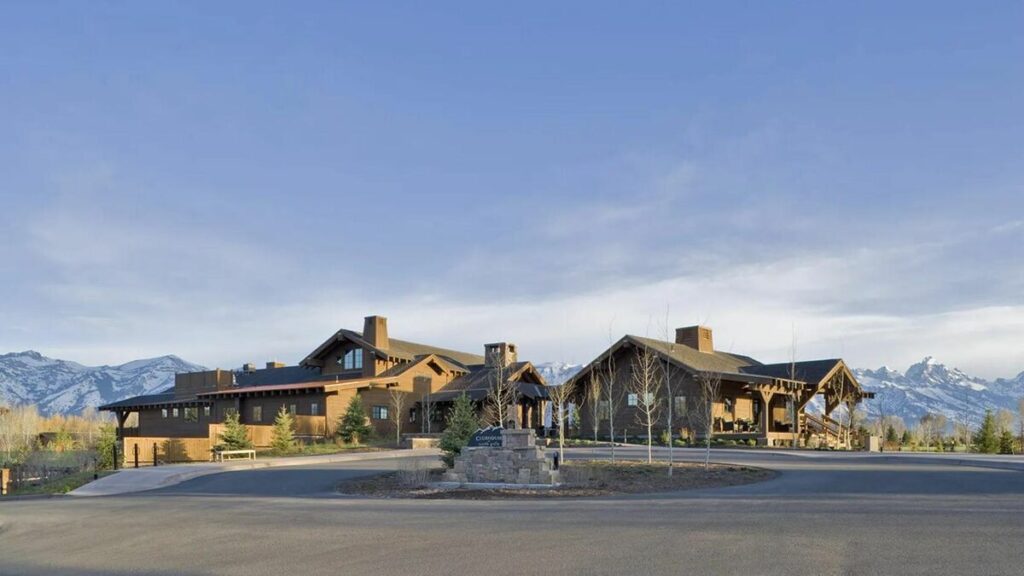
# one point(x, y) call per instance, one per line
point(105, 447)
point(663, 438)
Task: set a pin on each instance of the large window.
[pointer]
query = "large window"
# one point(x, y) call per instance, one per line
point(352, 360)
point(380, 413)
point(174, 411)
point(191, 414)
point(292, 409)
point(257, 413)
point(632, 400)
point(163, 412)
point(206, 411)
point(314, 409)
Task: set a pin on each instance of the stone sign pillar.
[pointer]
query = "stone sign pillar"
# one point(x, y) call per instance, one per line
point(517, 460)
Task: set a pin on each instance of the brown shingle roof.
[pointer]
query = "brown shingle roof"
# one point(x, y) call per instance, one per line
point(694, 359)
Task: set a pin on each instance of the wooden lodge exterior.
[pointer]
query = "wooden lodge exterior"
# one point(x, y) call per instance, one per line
point(184, 422)
point(756, 401)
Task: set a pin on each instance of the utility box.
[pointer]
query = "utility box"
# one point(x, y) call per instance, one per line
point(5, 480)
point(873, 444)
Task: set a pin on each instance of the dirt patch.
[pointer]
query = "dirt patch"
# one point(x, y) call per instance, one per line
point(580, 478)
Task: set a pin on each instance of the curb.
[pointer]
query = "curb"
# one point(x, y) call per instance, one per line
point(89, 490)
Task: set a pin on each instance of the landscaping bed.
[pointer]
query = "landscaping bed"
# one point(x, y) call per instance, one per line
point(580, 478)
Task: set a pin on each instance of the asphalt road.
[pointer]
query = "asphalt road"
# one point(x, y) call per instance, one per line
point(824, 514)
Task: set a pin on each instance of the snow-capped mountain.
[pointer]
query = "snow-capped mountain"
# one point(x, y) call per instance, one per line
point(927, 386)
point(555, 373)
point(61, 386)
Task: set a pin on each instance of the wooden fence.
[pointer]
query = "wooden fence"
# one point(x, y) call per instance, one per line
point(165, 450)
point(46, 467)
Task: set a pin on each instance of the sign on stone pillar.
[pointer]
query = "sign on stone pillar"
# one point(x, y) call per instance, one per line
point(490, 436)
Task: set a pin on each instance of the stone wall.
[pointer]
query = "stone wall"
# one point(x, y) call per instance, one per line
point(518, 461)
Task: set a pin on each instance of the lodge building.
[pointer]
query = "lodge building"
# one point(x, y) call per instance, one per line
point(763, 403)
point(184, 422)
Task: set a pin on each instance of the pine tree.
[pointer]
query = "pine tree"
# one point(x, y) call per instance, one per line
point(1006, 442)
point(235, 435)
point(986, 439)
point(905, 439)
point(890, 435)
point(352, 427)
point(283, 438)
point(461, 423)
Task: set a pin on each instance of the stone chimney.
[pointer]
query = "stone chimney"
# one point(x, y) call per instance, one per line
point(500, 353)
point(375, 331)
point(249, 367)
point(697, 337)
point(272, 365)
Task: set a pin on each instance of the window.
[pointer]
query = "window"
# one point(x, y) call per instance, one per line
point(174, 412)
point(163, 412)
point(257, 413)
point(603, 408)
point(314, 409)
point(292, 409)
point(412, 414)
point(679, 406)
point(728, 405)
point(649, 399)
point(380, 412)
point(631, 400)
point(206, 411)
point(192, 414)
point(352, 360)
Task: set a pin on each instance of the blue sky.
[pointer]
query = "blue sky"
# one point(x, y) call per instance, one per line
point(234, 181)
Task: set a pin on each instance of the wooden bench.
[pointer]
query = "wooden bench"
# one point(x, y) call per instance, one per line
point(218, 455)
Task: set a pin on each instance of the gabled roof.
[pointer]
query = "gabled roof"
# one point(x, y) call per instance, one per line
point(396, 349)
point(443, 362)
point(694, 359)
point(477, 383)
point(812, 372)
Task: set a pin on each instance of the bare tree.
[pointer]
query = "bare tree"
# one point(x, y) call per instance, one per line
point(709, 385)
point(612, 395)
point(398, 401)
point(560, 396)
point(502, 394)
point(670, 408)
point(19, 427)
point(1020, 422)
point(645, 386)
point(594, 397)
point(1004, 421)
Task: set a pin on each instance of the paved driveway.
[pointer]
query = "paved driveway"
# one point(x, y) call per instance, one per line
point(824, 514)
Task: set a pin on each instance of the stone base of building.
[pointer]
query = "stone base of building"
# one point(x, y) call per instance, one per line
point(517, 462)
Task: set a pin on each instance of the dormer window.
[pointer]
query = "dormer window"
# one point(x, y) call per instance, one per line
point(352, 360)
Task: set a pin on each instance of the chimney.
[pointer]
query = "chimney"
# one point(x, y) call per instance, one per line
point(249, 367)
point(272, 365)
point(499, 353)
point(697, 337)
point(375, 331)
